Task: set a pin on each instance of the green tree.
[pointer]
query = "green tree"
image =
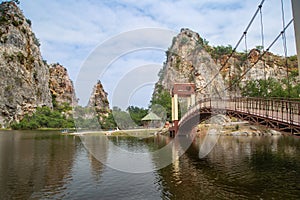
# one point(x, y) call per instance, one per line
point(44, 117)
point(122, 119)
point(219, 51)
point(164, 99)
point(108, 123)
point(137, 114)
point(270, 88)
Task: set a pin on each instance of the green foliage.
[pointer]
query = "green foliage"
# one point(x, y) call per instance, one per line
point(137, 114)
point(184, 40)
point(178, 62)
point(44, 118)
point(203, 41)
point(29, 22)
point(237, 127)
point(219, 51)
point(164, 99)
point(259, 47)
point(3, 20)
point(21, 58)
point(15, 23)
point(86, 118)
point(292, 58)
point(108, 122)
point(36, 41)
point(87, 123)
point(122, 119)
point(63, 107)
point(294, 73)
point(242, 56)
point(54, 102)
point(270, 88)
point(161, 72)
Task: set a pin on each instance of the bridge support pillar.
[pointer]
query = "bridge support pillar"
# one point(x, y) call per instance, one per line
point(186, 90)
point(296, 15)
point(175, 107)
point(193, 99)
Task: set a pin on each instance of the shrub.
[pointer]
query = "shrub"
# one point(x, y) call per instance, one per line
point(44, 118)
point(29, 22)
point(184, 40)
point(237, 127)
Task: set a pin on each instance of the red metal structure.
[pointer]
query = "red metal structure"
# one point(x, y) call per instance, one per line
point(275, 113)
point(186, 90)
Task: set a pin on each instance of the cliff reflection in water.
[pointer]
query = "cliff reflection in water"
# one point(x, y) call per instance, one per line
point(236, 168)
point(45, 165)
point(34, 162)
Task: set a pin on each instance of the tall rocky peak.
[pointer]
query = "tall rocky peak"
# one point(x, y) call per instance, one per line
point(187, 61)
point(191, 59)
point(24, 76)
point(61, 86)
point(99, 101)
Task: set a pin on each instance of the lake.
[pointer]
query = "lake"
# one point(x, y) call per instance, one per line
point(48, 165)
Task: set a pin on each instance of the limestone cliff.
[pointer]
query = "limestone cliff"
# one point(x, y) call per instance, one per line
point(99, 101)
point(61, 86)
point(188, 61)
point(191, 59)
point(24, 76)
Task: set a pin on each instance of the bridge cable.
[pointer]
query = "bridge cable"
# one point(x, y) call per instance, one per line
point(286, 62)
point(245, 63)
point(237, 45)
point(285, 48)
point(262, 40)
point(260, 57)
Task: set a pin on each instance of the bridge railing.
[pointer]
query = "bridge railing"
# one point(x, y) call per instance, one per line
point(284, 110)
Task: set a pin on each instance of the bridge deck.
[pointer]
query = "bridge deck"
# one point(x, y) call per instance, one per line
point(275, 113)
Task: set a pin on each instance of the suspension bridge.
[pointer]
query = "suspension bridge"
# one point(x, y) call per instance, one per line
point(281, 114)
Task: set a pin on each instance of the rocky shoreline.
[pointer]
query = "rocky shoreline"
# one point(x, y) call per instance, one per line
point(234, 129)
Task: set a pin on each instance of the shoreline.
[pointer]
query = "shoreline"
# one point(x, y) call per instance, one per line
point(129, 132)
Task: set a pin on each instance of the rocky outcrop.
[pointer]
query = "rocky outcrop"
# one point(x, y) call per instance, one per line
point(191, 59)
point(188, 61)
point(61, 86)
point(24, 76)
point(99, 101)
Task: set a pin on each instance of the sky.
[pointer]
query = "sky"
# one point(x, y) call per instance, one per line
point(70, 31)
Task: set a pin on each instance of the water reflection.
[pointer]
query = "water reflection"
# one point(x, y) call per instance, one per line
point(47, 165)
point(147, 154)
point(238, 168)
point(34, 162)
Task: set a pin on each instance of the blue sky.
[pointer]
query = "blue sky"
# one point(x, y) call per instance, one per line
point(69, 30)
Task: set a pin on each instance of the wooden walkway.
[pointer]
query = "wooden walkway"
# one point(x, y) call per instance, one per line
point(279, 114)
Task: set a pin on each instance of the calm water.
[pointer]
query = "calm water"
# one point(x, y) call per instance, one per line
point(45, 165)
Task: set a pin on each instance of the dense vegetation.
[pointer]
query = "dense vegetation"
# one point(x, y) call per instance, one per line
point(137, 114)
point(85, 118)
point(88, 119)
point(162, 98)
point(271, 88)
point(44, 117)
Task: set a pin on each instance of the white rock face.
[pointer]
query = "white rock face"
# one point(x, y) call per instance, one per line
point(189, 60)
point(24, 76)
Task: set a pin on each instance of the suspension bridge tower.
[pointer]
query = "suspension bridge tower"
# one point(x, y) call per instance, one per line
point(186, 90)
